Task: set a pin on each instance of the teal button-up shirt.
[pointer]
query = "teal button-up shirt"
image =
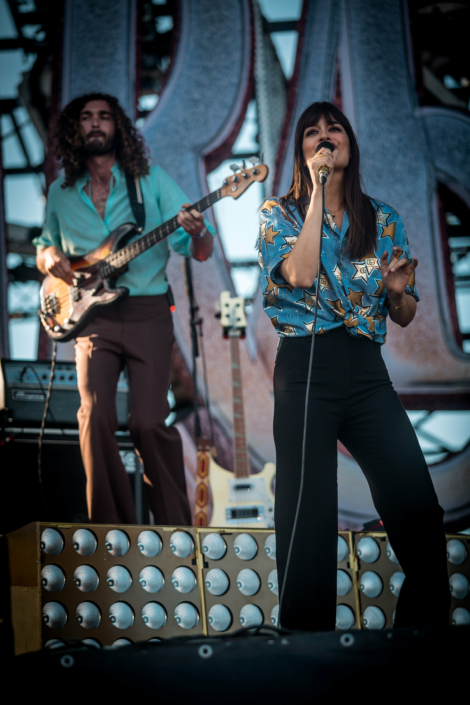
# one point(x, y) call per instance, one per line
point(74, 225)
point(351, 293)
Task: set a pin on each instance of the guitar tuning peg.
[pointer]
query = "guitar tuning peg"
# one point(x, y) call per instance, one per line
point(234, 167)
point(243, 164)
point(253, 160)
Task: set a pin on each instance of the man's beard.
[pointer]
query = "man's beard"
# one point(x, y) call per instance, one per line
point(94, 146)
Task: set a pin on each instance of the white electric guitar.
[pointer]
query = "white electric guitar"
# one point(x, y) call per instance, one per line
point(239, 498)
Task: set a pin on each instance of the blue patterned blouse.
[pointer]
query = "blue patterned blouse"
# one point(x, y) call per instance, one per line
point(352, 293)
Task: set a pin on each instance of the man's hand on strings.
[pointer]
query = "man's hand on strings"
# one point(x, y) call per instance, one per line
point(190, 220)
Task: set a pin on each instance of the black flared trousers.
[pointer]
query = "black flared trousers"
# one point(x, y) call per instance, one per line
point(352, 400)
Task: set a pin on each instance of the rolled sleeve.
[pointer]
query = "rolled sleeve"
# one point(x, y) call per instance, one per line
point(50, 235)
point(170, 198)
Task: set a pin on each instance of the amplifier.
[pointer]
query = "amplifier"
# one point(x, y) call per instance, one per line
point(64, 479)
point(23, 390)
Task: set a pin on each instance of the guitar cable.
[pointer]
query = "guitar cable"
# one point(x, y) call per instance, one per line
point(307, 392)
point(43, 424)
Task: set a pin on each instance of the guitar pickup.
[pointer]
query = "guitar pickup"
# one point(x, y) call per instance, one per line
point(243, 513)
point(75, 293)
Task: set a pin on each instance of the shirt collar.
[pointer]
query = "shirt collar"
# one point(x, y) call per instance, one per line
point(83, 180)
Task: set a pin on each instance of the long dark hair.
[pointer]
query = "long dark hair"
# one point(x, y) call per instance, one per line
point(362, 233)
point(131, 151)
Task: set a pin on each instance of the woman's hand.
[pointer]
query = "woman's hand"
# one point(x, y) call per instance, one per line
point(396, 275)
point(322, 158)
point(191, 220)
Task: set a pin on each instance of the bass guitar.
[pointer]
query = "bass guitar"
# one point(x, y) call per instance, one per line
point(65, 310)
point(239, 499)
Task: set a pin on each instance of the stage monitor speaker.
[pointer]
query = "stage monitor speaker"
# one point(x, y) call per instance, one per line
point(23, 389)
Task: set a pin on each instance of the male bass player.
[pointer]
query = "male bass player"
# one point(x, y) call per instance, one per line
point(98, 149)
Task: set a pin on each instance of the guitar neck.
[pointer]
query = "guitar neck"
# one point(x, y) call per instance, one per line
point(240, 452)
point(122, 257)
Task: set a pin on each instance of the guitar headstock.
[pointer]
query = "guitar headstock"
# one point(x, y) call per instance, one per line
point(242, 178)
point(232, 315)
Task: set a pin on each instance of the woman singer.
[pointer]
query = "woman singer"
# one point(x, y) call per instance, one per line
point(366, 274)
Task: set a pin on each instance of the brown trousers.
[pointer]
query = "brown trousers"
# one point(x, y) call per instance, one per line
point(137, 332)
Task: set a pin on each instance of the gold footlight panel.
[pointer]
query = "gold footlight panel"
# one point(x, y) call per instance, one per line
point(114, 585)
point(380, 578)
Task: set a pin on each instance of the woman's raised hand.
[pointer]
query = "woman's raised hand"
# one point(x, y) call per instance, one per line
point(322, 158)
point(396, 274)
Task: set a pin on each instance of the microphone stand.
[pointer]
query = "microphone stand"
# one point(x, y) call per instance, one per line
point(195, 321)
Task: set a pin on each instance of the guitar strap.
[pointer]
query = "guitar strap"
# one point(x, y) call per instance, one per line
point(136, 200)
point(138, 209)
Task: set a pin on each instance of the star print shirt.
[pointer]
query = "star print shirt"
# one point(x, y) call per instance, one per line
point(351, 293)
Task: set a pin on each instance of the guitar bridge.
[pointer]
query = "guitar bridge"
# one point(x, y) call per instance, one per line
point(51, 305)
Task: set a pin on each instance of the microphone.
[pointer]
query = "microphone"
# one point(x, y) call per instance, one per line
point(324, 170)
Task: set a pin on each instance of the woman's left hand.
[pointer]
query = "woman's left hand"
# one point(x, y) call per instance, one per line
point(396, 274)
point(191, 220)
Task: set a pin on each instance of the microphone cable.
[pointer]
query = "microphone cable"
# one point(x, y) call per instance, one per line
point(43, 424)
point(323, 178)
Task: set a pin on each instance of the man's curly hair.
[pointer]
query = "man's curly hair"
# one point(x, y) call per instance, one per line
point(131, 152)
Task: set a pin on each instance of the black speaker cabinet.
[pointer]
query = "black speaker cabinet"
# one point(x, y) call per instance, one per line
point(63, 475)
